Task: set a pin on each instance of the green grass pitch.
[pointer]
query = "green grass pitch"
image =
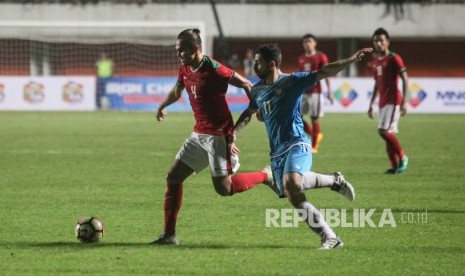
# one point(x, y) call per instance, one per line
point(58, 167)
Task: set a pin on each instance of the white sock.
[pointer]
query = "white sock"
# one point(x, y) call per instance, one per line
point(311, 180)
point(315, 221)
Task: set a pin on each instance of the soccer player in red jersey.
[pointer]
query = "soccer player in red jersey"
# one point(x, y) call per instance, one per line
point(313, 60)
point(212, 142)
point(388, 67)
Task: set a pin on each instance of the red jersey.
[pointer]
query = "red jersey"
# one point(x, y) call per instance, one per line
point(313, 63)
point(207, 87)
point(386, 70)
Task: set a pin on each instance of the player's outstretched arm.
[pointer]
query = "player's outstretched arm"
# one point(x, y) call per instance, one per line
point(337, 66)
point(174, 95)
point(244, 119)
point(239, 81)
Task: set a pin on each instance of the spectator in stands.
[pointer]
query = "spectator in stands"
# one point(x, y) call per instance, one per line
point(137, 2)
point(248, 63)
point(105, 67)
point(234, 62)
point(398, 6)
point(81, 2)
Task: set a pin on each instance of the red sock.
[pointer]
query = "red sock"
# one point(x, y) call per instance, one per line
point(395, 144)
point(316, 131)
point(244, 181)
point(307, 128)
point(392, 155)
point(173, 201)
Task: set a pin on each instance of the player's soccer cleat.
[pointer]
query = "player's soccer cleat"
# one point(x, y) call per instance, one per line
point(270, 180)
point(319, 138)
point(316, 144)
point(343, 187)
point(166, 239)
point(331, 243)
point(269, 174)
point(390, 171)
point(403, 165)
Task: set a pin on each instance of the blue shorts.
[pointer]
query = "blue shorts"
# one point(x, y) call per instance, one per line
point(298, 159)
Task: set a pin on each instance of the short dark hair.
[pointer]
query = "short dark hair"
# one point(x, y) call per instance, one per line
point(380, 31)
point(309, 36)
point(270, 52)
point(191, 36)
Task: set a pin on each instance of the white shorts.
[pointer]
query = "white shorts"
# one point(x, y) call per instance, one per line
point(202, 150)
point(312, 105)
point(389, 118)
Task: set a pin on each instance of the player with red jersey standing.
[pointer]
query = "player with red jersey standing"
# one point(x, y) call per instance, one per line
point(388, 67)
point(212, 142)
point(313, 60)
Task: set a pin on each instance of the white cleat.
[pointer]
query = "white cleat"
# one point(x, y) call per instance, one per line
point(331, 243)
point(343, 187)
point(270, 180)
point(269, 173)
point(166, 239)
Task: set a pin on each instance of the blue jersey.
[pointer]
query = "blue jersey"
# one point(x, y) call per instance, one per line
point(279, 105)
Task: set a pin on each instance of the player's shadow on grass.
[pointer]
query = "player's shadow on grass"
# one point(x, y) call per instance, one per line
point(430, 211)
point(73, 245)
point(182, 246)
point(189, 246)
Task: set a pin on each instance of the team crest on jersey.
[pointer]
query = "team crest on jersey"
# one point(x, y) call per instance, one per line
point(278, 92)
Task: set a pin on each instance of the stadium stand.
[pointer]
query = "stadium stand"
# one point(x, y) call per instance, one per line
point(22, 56)
point(287, 2)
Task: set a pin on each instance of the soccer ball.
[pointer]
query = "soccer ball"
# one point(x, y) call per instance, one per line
point(89, 230)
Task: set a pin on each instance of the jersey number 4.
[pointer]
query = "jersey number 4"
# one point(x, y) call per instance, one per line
point(194, 91)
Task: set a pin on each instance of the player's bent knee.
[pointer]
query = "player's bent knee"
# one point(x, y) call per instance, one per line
point(222, 187)
point(292, 182)
point(172, 178)
point(222, 191)
point(382, 132)
point(292, 187)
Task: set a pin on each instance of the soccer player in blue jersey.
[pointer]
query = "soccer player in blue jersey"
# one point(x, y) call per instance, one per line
point(277, 98)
